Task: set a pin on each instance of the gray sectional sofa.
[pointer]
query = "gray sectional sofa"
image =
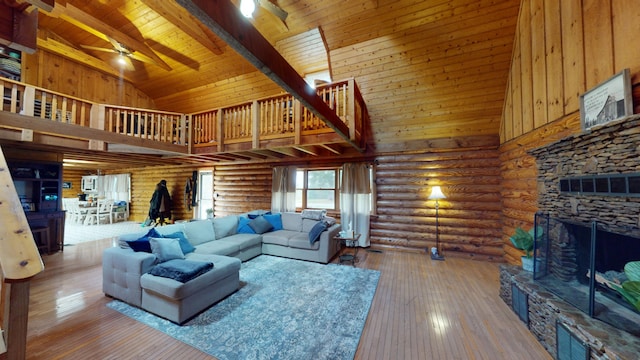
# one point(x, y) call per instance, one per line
point(128, 274)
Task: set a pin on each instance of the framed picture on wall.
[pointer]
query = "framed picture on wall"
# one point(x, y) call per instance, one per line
point(66, 185)
point(608, 101)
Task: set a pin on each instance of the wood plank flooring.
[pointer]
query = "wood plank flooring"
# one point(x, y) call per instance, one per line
point(422, 309)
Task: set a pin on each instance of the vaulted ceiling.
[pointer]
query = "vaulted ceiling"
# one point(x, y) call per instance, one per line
point(429, 71)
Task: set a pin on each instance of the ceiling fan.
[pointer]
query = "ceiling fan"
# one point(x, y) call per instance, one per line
point(247, 7)
point(125, 53)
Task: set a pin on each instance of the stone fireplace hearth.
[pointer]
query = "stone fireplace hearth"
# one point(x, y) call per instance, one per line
point(568, 171)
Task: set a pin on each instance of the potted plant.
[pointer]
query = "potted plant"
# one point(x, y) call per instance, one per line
point(523, 240)
point(209, 213)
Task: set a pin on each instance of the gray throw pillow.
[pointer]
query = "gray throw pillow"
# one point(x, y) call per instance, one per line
point(166, 249)
point(260, 225)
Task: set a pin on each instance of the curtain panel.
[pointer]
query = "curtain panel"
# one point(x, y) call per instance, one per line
point(283, 189)
point(355, 200)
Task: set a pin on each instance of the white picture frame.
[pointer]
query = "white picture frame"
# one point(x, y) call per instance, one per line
point(610, 100)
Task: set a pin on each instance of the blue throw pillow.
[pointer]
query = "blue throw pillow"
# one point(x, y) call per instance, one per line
point(316, 231)
point(243, 226)
point(142, 244)
point(185, 245)
point(275, 220)
point(255, 213)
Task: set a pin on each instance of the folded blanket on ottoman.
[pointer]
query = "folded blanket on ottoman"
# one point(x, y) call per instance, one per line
point(181, 270)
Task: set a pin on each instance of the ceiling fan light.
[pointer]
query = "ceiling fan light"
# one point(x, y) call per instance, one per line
point(121, 60)
point(247, 7)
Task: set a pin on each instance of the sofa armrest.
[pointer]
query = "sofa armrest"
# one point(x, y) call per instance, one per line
point(121, 272)
point(328, 246)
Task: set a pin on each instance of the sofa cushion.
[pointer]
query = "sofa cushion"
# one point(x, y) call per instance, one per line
point(181, 270)
point(316, 231)
point(275, 220)
point(223, 267)
point(169, 229)
point(218, 247)
point(308, 224)
point(225, 226)
point(244, 240)
point(280, 237)
point(243, 226)
point(260, 225)
point(291, 221)
point(199, 231)
point(185, 245)
point(301, 241)
point(142, 243)
point(166, 249)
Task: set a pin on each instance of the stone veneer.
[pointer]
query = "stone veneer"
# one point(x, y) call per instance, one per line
point(612, 148)
point(545, 309)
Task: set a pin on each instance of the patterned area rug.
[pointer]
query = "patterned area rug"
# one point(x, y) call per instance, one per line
point(284, 309)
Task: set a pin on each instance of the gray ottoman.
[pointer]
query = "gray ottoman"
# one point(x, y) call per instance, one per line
point(178, 301)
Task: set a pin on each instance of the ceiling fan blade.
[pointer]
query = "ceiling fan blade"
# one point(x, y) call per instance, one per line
point(118, 46)
point(141, 57)
point(274, 9)
point(96, 48)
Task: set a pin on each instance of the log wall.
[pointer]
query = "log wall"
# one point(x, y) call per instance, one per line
point(561, 50)
point(69, 174)
point(469, 218)
point(143, 183)
point(241, 188)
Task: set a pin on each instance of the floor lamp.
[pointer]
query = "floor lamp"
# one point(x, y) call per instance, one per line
point(436, 194)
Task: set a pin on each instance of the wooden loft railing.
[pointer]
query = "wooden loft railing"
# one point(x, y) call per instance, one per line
point(19, 262)
point(279, 117)
point(276, 117)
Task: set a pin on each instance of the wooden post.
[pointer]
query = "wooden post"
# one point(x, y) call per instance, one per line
point(255, 124)
point(220, 129)
point(19, 262)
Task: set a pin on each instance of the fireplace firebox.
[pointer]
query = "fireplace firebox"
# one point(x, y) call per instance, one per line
point(583, 264)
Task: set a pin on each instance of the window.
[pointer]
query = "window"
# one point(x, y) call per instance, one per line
point(317, 189)
point(205, 193)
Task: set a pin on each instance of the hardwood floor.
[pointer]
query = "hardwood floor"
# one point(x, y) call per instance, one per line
point(422, 309)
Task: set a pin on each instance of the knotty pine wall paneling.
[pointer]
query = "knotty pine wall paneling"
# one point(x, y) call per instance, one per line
point(53, 72)
point(561, 50)
point(469, 218)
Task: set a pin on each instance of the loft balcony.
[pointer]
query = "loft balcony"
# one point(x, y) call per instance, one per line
point(270, 128)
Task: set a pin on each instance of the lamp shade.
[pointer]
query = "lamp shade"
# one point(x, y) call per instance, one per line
point(436, 193)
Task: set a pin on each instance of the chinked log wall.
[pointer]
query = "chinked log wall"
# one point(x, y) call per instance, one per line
point(469, 218)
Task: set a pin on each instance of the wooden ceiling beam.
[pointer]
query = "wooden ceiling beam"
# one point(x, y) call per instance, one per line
point(45, 5)
point(47, 43)
point(226, 21)
point(104, 31)
point(185, 22)
point(334, 148)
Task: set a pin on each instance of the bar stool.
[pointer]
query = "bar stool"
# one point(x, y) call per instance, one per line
point(43, 241)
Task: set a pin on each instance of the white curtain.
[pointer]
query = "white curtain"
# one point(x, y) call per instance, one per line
point(283, 189)
point(355, 200)
point(114, 187)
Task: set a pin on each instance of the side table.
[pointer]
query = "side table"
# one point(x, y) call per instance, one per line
point(350, 242)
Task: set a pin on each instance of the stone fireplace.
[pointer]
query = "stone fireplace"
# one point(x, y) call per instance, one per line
point(589, 202)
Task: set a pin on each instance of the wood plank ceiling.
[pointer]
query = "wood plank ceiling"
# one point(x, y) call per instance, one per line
point(428, 70)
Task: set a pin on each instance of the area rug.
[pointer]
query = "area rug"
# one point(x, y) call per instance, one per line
point(284, 309)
